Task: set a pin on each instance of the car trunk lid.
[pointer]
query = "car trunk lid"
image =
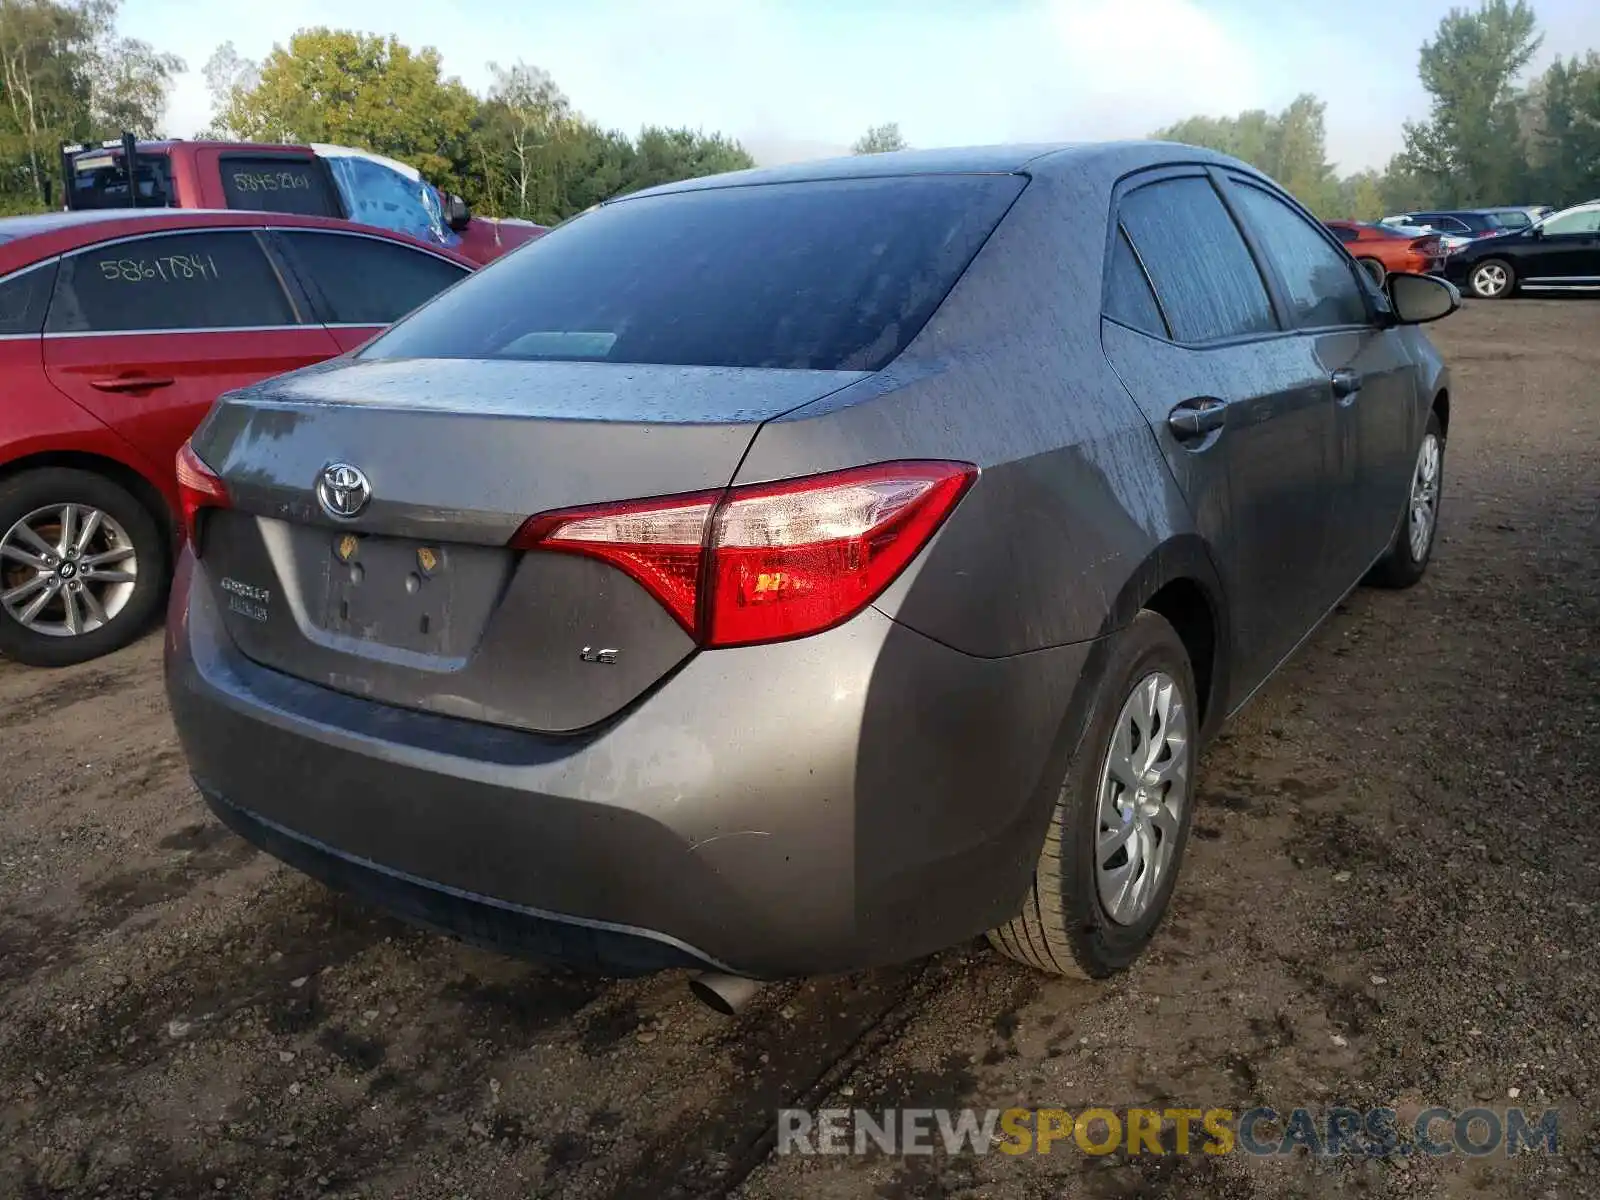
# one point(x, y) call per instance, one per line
point(416, 600)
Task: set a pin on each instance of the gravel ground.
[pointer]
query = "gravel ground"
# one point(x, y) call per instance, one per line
point(1390, 900)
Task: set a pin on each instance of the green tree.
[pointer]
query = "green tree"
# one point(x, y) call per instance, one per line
point(1360, 196)
point(67, 77)
point(227, 74)
point(1290, 146)
point(667, 155)
point(132, 82)
point(880, 139)
point(360, 90)
point(522, 137)
point(1470, 149)
point(1564, 145)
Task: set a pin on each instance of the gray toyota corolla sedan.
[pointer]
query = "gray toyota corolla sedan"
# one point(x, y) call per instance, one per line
point(806, 568)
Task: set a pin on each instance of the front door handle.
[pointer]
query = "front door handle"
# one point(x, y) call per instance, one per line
point(1197, 418)
point(1346, 383)
point(132, 383)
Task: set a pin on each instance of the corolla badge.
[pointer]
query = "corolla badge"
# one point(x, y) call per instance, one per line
point(343, 490)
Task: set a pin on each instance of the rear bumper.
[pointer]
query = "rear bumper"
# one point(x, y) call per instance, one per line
point(859, 797)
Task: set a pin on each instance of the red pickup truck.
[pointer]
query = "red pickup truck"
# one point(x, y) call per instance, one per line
point(324, 181)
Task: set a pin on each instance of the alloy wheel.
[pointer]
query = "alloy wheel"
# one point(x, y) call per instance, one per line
point(1425, 496)
point(1144, 785)
point(66, 570)
point(1490, 280)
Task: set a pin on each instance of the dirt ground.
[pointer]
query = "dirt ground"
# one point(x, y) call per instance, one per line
point(1390, 899)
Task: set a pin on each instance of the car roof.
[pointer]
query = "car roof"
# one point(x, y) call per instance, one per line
point(157, 145)
point(1108, 158)
point(37, 236)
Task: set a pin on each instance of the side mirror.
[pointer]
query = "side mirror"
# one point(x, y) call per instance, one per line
point(1418, 299)
point(456, 213)
point(1374, 268)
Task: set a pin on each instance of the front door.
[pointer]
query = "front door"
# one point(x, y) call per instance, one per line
point(1564, 252)
point(1366, 371)
point(146, 332)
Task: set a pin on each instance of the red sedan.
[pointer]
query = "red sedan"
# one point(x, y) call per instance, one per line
point(118, 328)
point(1389, 248)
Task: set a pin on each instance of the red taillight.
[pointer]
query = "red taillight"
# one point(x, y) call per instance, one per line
point(198, 487)
point(1426, 245)
point(769, 561)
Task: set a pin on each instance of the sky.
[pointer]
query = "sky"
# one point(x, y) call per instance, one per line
point(799, 79)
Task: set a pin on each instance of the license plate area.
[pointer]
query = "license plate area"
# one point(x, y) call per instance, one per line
point(425, 597)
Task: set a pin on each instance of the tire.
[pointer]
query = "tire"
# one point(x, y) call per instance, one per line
point(1406, 560)
point(1065, 926)
point(1492, 279)
point(1375, 268)
point(127, 579)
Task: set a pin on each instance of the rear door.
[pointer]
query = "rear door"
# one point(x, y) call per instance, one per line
point(1368, 369)
point(1241, 408)
point(145, 332)
point(359, 283)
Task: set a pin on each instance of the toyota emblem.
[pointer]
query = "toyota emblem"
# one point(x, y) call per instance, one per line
point(343, 491)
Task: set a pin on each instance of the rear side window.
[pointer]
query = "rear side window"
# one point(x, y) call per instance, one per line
point(365, 280)
point(1129, 300)
point(1320, 280)
point(1345, 234)
point(267, 183)
point(219, 280)
point(24, 298)
point(1201, 268)
point(826, 275)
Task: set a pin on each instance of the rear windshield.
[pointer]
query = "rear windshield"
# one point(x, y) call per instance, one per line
point(829, 275)
point(276, 183)
point(99, 181)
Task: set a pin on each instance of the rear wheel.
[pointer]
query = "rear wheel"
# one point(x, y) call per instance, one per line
point(83, 567)
point(1121, 821)
point(1406, 561)
point(1492, 279)
point(1374, 268)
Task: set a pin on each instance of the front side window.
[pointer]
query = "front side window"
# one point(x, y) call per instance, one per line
point(1198, 262)
point(1585, 220)
point(1322, 286)
point(366, 280)
point(99, 181)
point(827, 275)
point(211, 280)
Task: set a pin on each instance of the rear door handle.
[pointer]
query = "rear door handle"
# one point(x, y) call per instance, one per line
point(1346, 383)
point(132, 383)
point(1197, 418)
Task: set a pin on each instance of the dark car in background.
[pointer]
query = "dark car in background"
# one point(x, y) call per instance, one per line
point(807, 568)
point(1559, 253)
point(1461, 222)
point(118, 328)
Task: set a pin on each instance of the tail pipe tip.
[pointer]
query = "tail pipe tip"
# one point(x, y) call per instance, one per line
point(726, 994)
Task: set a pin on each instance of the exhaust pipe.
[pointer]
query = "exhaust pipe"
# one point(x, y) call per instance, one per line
point(726, 994)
